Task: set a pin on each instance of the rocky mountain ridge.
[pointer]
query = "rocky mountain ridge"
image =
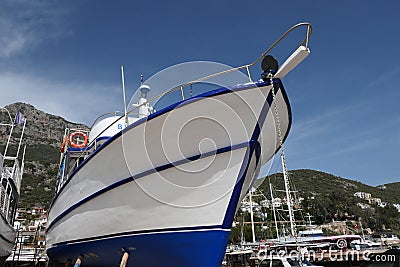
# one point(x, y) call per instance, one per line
point(43, 135)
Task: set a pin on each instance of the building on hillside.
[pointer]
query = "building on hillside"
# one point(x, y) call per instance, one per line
point(363, 205)
point(277, 202)
point(37, 211)
point(382, 204)
point(265, 203)
point(41, 222)
point(30, 220)
point(397, 206)
point(362, 195)
point(374, 200)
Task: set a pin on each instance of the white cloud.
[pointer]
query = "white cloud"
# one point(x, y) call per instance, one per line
point(25, 24)
point(382, 78)
point(75, 101)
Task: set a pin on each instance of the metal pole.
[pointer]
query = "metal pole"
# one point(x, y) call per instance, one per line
point(12, 127)
point(251, 216)
point(273, 209)
point(123, 92)
point(20, 139)
point(288, 197)
point(8, 140)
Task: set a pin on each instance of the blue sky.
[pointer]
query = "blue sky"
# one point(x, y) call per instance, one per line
point(64, 57)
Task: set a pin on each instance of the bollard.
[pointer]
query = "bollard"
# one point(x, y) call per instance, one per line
point(124, 259)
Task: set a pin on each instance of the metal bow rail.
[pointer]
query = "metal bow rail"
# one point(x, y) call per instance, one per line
point(304, 43)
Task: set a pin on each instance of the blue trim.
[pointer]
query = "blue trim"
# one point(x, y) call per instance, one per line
point(238, 186)
point(101, 138)
point(141, 232)
point(98, 140)
point(143, 174)
point(91, 146)
point(76, 149)
point(231, 210)
point(178, 249)
point(177, 246)
point(255, 148)
point(179, 104)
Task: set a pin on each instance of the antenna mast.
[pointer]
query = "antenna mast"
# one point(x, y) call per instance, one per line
point(123, 92)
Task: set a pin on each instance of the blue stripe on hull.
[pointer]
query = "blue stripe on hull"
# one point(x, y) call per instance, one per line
point(194, 249)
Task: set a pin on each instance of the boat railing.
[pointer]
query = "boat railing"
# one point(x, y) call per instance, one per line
point(246, 67)
point(105, 115)
point(1, 164)
point(5, 191)
point(304, 42)
point(70, 158)
point(11, 174)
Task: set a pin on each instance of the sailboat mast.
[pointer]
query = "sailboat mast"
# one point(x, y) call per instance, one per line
point(273, 209)
point(251, 215)
point(288, 196)
point(362, 230)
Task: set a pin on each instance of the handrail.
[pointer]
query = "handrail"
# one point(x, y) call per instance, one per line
point(9, 115)
point(104, 115)
point(303, 42)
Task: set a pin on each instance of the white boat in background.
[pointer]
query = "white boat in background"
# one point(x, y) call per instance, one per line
point(247, 258)
point(285, 261)
point(164, 186)
point(11, 170)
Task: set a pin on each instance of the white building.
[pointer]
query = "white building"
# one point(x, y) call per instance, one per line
point(374, 200)
point(362, 195)
point(397, 206)
point(363, 206)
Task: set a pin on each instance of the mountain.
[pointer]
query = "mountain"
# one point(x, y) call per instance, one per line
point(327, 197)
point(393, 186)
point(316, 182)
point(43, 135)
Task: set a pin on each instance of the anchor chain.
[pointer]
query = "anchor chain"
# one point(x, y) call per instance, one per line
point(284, 167)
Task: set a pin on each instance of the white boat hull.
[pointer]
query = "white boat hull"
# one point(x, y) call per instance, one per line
point(7, 238)
point(169, 183)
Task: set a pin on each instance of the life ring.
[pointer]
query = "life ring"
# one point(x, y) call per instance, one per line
point(76, 145)
point(341, 243)
point(64, 142)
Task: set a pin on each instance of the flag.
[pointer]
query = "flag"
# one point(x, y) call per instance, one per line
point(19, 118)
